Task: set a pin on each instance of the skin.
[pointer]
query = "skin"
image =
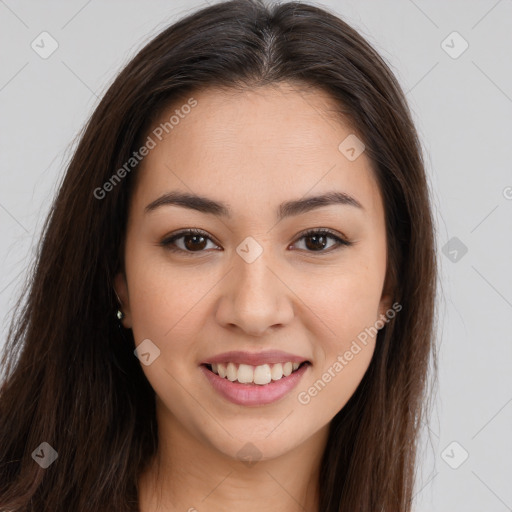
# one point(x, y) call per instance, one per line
point(252, 150)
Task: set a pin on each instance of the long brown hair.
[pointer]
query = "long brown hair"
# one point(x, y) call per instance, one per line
point(71, 378)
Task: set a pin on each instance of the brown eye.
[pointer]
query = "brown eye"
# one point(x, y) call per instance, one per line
point(193, 242)
point(196, 241)
point(188, 241)
point(318, 241)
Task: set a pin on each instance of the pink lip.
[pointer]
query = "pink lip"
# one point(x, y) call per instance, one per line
point(255, 358)
point(254, 394)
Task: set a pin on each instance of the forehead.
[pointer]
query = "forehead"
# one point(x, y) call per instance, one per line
point(272, 142)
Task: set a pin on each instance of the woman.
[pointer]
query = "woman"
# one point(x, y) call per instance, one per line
point(233, 302)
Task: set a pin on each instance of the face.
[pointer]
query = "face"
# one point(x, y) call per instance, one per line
point(268, 278)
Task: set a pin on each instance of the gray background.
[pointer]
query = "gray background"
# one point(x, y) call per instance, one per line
point(462, 107)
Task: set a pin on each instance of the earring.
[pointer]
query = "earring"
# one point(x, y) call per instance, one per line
point(119, 313)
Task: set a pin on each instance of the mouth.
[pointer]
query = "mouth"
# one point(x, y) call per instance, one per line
point(260, 375)
point(248, 385)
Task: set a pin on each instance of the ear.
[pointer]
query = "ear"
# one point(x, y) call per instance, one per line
point(386, 300)
point(385, 304)
point(121, 288)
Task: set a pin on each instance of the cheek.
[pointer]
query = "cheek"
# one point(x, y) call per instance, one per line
point(345, 300)
point(167, 308)
point(343, 327)
point(345, 304)
point(167, 304)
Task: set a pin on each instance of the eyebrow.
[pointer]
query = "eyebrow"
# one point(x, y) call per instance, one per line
point(219, 209)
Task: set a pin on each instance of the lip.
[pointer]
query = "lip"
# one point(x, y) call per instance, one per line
point(254, 394)
point(255, 358)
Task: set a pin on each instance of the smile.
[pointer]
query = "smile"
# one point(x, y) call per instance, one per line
point(251, 393)
point(249, 374)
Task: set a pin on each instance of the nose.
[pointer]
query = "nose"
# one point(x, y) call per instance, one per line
point(254, 298)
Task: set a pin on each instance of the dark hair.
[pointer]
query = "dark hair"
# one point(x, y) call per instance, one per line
point(71, 378)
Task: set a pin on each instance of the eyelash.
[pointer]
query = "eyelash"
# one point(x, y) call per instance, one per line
point(167, 243)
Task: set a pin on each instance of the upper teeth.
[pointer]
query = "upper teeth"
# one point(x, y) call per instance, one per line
point(247, 374)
